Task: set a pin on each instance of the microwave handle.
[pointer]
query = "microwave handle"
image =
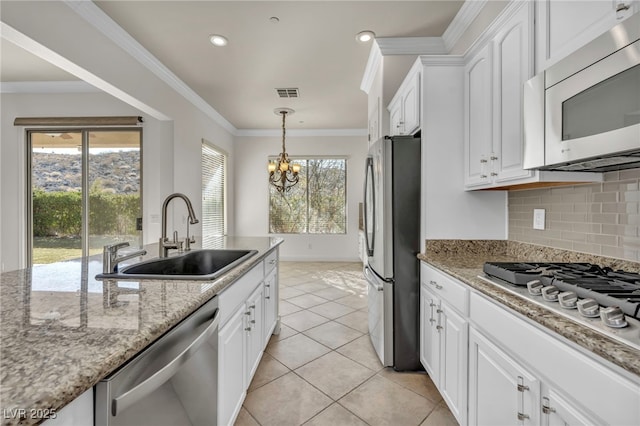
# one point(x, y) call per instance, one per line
point(157, 379)
point(534, 128)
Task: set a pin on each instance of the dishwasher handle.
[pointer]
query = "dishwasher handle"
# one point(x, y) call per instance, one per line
point(163, 374)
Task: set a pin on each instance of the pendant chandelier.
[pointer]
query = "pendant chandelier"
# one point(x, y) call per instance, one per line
point(282, 174)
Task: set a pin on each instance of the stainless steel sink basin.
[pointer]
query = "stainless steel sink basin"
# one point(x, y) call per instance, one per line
point(194, 265)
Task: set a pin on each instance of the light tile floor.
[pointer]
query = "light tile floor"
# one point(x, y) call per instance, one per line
point(321, 369)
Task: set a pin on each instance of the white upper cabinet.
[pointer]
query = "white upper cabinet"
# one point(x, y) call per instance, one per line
point(513, 65)
point(564, 26)
point(495, 73)
point(477, 117)
point(404, 108)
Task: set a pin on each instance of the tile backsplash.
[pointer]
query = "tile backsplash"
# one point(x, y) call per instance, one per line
point(598, 218)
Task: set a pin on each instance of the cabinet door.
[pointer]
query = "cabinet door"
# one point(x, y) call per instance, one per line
point(501, 392)
point(410, 121)
point(453, 361)
point(564, 26)
point(429, 338)
point(558, 411)
point(395, 119)
point(231, 367)
point(513, 66)
point(270, 304)
point(254, 325)
point(478, 121)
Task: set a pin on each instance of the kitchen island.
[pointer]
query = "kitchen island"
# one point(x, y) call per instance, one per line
point(63, 331)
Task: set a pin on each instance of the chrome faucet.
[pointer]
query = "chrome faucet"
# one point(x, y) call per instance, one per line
point(110, 258)
point(165, 245)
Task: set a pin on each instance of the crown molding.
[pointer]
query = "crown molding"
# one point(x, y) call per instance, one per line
point(107, 26)
point(410, 45)
point(441, 60)
point(301, 132)
point(373, 63)
point(77, 86)
point(465, 16)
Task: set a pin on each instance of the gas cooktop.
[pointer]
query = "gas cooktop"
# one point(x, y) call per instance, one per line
point(602, 298)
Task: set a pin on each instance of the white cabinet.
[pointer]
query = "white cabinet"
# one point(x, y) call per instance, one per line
point(495, 73)
point(443, 337)
point(564, 26)
point(253, 327)
point(231, 367)
point(248, 316)
point(404, 108)
point(477, 117)
point(374, 122)
point(77, 412)
point(564, 385)
point(559, 411)
point(501, 391)
point(270, 305)
point(494, 78)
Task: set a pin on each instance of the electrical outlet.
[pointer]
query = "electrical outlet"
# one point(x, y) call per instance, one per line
point(538, 219)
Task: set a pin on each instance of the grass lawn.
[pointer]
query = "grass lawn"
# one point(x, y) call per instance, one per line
point(52, 249)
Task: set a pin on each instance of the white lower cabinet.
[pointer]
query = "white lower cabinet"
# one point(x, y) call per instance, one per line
point(501, 391)
point(270, 305)
point(231, 367)
point(560, 384)
point(493, 366)
point(559, 411)
point(249, 314)
point(253, 327)
point(443, 339)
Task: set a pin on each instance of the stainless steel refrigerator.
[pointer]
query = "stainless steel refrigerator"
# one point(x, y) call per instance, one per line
point(392, 229)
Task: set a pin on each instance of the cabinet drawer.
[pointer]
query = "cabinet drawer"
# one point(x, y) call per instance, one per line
point(270, 261)
point(236, 294)
point(611, 398)
point(446, 287)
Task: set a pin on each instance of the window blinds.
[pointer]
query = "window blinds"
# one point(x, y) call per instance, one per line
point(214, 167)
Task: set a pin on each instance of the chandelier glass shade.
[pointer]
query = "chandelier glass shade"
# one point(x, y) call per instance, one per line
point(282, 173)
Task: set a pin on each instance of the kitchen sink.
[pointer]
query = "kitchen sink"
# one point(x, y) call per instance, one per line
point(195, 265)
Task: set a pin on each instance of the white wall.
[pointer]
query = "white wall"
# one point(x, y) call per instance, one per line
point(252, 197)
point(174, 141)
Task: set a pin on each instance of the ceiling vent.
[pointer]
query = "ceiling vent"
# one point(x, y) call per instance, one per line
point(291, 92)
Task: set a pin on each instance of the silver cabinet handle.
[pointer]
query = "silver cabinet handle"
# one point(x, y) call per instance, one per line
point(484, 160)
point(622, 6)
point(522, 416)
point(483, 176)
point(493, 157)
point(130, 397)
point(435, 284)
point(546, 406)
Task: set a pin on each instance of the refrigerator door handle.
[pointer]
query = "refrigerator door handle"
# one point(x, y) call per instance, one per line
point(372, 279)
point(369, 187)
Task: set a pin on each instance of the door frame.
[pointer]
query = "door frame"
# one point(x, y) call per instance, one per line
point(27, 249)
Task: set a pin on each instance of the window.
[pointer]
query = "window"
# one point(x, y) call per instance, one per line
point(317, 204)
point(214, 170)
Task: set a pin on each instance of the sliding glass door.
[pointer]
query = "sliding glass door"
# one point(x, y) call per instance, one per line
point(86, 191)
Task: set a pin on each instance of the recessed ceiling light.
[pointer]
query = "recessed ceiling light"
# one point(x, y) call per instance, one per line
point(274, 19)
point(365, 36)
point(218, 40)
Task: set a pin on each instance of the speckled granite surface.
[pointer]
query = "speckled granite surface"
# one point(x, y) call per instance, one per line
point(463, 259)
point(62, 331)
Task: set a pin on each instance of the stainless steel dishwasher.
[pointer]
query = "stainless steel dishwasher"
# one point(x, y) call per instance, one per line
point(172, 382)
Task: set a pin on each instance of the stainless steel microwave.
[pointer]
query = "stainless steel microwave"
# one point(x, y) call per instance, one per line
point(583, 113)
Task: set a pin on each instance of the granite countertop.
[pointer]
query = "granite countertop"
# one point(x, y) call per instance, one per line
point(464, 259)
point(62, 330)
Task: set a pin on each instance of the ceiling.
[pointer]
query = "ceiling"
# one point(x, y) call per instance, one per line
point(312, 47)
